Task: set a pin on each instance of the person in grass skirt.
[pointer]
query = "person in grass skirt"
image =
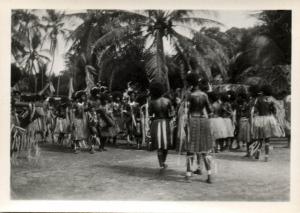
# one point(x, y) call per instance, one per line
point(137, 124)
point(228, 124)
point(114, 129)
point(216, 121)
point(106, 122)
point(93, 123)
point(264, 123)
point(79, 121)
point(243, 112)
point(129, 119)
point(62, 122)
point(161, 109)
point(117, 113)
point(200, 140)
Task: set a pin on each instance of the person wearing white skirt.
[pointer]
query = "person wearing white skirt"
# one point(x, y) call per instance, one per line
point(216, 121)
point(264, 124)
point(228, 123)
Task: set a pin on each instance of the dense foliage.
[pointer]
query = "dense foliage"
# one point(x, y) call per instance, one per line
point(117, 47)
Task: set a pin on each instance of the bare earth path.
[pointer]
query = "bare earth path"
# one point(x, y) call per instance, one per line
point(128, 174)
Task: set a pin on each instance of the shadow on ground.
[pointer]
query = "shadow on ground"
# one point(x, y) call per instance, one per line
point(147, 173)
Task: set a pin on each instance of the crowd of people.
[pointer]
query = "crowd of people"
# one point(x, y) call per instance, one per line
point(196, 120)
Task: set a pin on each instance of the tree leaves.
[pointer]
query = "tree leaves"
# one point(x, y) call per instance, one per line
point(155, 65)
point(198, 21)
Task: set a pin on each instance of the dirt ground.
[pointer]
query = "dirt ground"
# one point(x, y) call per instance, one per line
point(129, 174)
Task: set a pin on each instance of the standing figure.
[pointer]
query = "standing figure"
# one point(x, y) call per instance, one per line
point(216, 121)
point(106, 122)
point(137, 124)
point(227, 115)
point(161, 109)
point(145, 121)
point(93, 122)
point(265, 124)
point(80, 130)
point(62, 122)
point(199, 140)
point(117, 113)
point(114, 129)
point(129, 116)
point(243, 113)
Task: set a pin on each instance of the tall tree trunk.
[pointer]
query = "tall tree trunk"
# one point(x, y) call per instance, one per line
point(35, 84)
point(42, 78)
point(111, 81)
point(162, 70)
point(50, 73)
point(35, 78)
point(58, 82)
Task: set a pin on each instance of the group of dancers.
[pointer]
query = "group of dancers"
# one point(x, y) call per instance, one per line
point(197, 119)
point(213, 121)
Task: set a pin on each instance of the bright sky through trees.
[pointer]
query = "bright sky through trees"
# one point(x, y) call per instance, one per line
point(230, 18)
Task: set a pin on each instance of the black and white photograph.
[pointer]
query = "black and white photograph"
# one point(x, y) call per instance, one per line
point(150, 105)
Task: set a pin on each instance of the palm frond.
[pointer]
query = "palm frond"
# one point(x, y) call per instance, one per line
point(183, 41)
point(156, 67)
point(214, 51)
point(116, 35)
point(198, 21)
point(131, 15)
point(176, 14)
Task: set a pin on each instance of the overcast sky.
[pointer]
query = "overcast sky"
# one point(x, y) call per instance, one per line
point(230, 18)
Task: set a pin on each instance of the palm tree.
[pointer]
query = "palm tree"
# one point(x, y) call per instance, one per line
point(26, 38)
point(95, 23)
point(22, 22)
point(154, 26)
point(54, 28)
point(34, 59)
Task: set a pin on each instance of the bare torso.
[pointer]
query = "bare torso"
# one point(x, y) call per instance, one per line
point(161, 108)
point(198, 101)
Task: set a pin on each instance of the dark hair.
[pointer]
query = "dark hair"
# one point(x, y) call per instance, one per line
point(51, 101)
point(203, 85)
point(282, 94)
point(242, 94)
point(254, 90)
point(213, 96)
point(192, 79)
point(79, 94)
point(103, 97)
point(231, 95)
point(95, 91)
point(131, 92)
point(267, 90)
point(156, 90)
point(224, 97)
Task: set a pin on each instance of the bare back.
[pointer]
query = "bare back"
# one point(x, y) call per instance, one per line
point(198, 101)
point(160, 107)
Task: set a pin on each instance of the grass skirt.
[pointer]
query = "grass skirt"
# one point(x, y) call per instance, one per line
point(266, 127)
point(80, 131)
point(61, 126)
point(217, 128)
point(228, 128)
point(244, 130)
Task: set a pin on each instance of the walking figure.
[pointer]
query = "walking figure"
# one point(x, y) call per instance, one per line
point(199, 141)
point(161, 108)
